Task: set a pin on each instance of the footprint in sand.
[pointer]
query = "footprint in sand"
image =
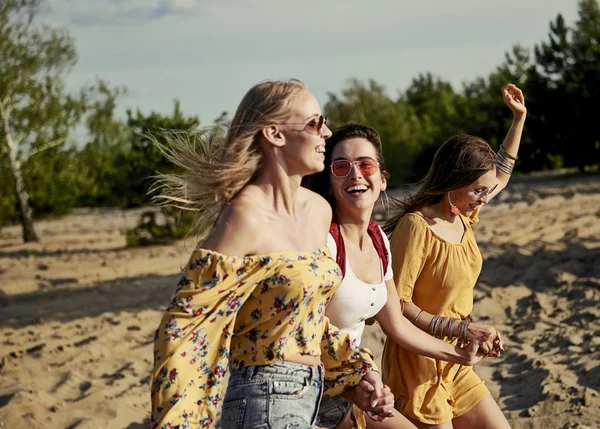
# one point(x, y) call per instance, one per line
point(71, 387)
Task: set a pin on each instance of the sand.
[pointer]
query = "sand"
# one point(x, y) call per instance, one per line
point(78, 312)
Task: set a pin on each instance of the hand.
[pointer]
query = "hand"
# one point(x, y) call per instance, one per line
point(373, 397)
point(498, 346)
point(484, 335)
point(470, 353)
point(513, 98)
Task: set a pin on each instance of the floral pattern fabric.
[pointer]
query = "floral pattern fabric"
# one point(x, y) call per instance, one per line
point(240, 311)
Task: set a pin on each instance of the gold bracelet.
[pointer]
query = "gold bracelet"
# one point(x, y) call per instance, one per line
point(508, 155)
point(418, 314)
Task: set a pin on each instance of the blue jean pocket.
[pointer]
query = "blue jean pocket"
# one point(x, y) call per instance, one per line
point(274, 396)
point(232, 414)
point(332, 411)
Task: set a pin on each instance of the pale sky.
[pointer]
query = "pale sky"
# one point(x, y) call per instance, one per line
point(208, 53)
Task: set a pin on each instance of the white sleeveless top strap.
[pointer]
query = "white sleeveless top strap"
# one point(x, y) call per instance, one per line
point(355, 301)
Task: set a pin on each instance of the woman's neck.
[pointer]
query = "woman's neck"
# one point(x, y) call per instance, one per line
point(354, 227)
point(280, 189)
point(440, 210)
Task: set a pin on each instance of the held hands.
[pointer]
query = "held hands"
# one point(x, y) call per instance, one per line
point(373, 397)
point(498, 347)
point(486, 338)
point(513, 98)
point(471, 354)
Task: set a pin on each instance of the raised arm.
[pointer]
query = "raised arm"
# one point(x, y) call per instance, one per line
point(509, 150)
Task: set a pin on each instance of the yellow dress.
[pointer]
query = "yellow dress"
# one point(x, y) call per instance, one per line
point(239, 311)
point(438, 277)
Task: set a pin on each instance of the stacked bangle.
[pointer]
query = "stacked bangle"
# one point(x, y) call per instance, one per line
point(451, 328)
point(505, 161)
point(463, 329)
point(508, 155)
point(434, 324)
point(440, 328)
point(439, 325)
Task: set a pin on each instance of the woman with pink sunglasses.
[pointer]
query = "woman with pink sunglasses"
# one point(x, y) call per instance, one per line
point(353, 180)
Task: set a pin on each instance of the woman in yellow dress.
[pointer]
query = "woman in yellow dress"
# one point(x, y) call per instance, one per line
point(436, 263)
point(254, 292)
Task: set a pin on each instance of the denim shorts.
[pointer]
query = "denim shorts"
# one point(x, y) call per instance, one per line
point(332, 411)
point(282, 395)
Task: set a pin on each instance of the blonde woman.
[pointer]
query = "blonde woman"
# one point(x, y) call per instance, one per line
point(254, 292)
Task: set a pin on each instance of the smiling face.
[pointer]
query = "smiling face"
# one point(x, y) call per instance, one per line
point(467, 198)
point(358, 191)
point(304, 148)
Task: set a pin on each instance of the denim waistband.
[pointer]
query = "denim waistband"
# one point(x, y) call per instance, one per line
point(281, 368)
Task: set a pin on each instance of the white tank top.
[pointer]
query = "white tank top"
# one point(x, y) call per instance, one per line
point(355, 301)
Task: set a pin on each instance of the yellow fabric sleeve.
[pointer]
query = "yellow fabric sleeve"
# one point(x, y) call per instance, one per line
point(192, 342)
point(345, 363)
point(409, 252)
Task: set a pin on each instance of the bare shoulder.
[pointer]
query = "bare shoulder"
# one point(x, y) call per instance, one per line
point(424, 213)
point(317, 210)
point(316, 205)
point(314, 199)
point(236, 231)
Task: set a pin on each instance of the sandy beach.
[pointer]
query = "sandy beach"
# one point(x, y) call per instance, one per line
point(78, 312)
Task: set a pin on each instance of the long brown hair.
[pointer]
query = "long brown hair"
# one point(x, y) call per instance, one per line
point(217, 163)
point(459, 162)
point(319, 182)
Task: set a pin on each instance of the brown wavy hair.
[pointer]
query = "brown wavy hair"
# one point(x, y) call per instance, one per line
point(459, 162)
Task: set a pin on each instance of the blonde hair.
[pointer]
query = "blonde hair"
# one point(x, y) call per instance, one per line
point(217, 163)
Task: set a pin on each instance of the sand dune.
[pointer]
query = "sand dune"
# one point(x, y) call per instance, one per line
point(78, 312)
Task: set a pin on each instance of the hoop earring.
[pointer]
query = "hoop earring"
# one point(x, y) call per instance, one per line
point(455, 211)
point(385, 202)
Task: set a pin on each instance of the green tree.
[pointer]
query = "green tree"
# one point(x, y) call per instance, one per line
point(51, 180)
point(141, 159)
point(35, 112)
point(397, 124)
point(109, 136)
point(8, 202)
point(482, 111)
point(434, 104)
point(566, 85)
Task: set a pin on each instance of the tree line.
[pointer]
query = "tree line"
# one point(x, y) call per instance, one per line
point(45, 169)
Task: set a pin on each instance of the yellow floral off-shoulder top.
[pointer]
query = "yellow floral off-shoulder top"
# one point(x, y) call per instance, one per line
point(238, 311)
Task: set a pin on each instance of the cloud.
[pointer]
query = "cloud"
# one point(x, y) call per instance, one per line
point(209, 52)
point(118, 12)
